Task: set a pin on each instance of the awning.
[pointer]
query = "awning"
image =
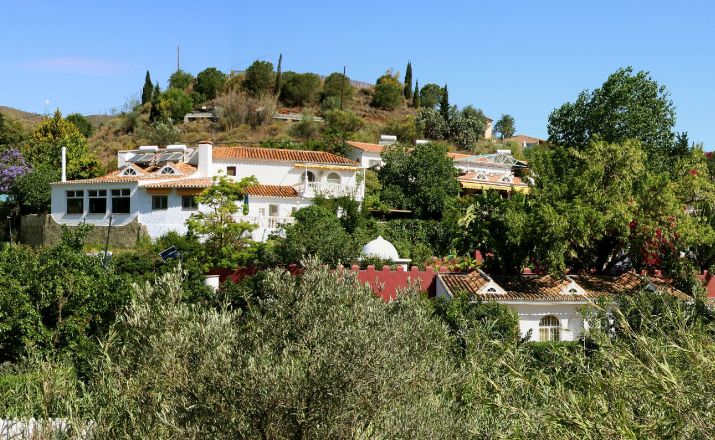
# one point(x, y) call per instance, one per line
point(325, 166)
point(475, 185)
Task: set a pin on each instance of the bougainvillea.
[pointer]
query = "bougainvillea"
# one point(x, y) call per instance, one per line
point(12, 166)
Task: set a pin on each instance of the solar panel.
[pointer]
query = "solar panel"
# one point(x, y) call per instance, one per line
point(176, 156)
point(141, 158)
point(163, 157)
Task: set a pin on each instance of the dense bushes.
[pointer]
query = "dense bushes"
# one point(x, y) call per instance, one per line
point(321, 357)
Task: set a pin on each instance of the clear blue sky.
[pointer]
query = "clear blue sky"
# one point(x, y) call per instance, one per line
point(519, 57)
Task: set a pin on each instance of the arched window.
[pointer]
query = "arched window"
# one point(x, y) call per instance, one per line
point(168, 170)
point(481, 176)
point(310, 176)
point(491, 290)
point(506, 179)
point(549, 329)
point(129, 171)
point(333, 178)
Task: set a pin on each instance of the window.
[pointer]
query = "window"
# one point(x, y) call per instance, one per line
point(120, 201)
point(481, 176)
point(333, 178)
point(310, 176)
point(75, 202)
point(293, 210)
point(230, 171)
point(168, 170)
point(491, 290)
point(188, 203)
point(506, 179)
point(97, 201)
point(273, 210)
point(549, 329)
point(129, 171)
point(159, 203)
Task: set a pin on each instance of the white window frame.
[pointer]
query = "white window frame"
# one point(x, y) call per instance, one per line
point(549, 329)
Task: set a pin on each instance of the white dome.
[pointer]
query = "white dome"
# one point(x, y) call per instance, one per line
point(380, 248)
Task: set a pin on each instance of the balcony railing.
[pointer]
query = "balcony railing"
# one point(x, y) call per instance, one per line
point(268, 222)
point(313, 189)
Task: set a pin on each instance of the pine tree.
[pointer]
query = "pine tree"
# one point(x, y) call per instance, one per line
point(155, 113)
point(444, 104)
point(408, 81)
point(277, 87)
point(148, 89)
point(416, 95)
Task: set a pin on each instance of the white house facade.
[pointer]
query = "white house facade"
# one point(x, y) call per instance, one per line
point(157, 186)
point(549, 308)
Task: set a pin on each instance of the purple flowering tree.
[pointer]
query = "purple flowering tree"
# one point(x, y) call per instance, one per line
point(12, 166)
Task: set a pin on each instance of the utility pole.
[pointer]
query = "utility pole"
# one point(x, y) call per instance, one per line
point(177, 58)
point(342, 89)
point(106, 245)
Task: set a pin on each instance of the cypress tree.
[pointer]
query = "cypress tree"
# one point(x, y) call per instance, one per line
point(408, 81)
point(416, 95)
point(277, 87)
point(148, 89)
point(444, 104)
point(682, 144)
point(155, 113)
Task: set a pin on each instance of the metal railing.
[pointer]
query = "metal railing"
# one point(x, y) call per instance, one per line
point(313, 189)
point(268, 222)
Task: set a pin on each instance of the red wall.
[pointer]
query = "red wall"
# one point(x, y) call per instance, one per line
point(385, 282)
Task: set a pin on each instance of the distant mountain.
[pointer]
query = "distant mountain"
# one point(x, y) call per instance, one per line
point(29, 119)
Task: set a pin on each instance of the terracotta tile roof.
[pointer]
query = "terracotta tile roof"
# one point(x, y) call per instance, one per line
point(271, 191)
point(273, 154)
point(521, 138)
point(184, 168)
point(470, 282)
point(550, 288)
point(626, 283)
point(371, 148)
point(200, 182)
point(148, 173)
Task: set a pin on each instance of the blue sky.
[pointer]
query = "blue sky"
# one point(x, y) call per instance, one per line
point(519, 57)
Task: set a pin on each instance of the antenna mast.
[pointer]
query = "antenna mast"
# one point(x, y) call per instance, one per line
point(177, 58)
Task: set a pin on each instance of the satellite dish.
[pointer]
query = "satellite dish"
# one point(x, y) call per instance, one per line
point(170, 254)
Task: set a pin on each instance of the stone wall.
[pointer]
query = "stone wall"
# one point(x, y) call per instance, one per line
point(39, 229)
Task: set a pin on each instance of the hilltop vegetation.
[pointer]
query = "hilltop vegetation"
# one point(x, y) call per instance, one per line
point(246, 102)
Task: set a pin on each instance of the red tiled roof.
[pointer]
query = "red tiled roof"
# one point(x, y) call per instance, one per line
point(520, 138)
point(148, 173)
point(271, 191)
point(550, 288)
point(470, 282)
point(371, 148)
point(273, 154)
point(200, 182)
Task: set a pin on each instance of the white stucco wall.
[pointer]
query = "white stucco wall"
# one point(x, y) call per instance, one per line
point(159, 222)
point(365, 158)
point(59, 204)
point(531, 312)
point(280, 173)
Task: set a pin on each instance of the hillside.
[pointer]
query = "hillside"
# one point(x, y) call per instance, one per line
point(248, 117)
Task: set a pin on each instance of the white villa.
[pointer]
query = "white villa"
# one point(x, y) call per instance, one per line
point(157, 186)
point(549, 308)
point(477, 172)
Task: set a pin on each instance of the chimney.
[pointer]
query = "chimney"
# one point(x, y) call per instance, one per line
point(205, 159)
point(64, 164)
